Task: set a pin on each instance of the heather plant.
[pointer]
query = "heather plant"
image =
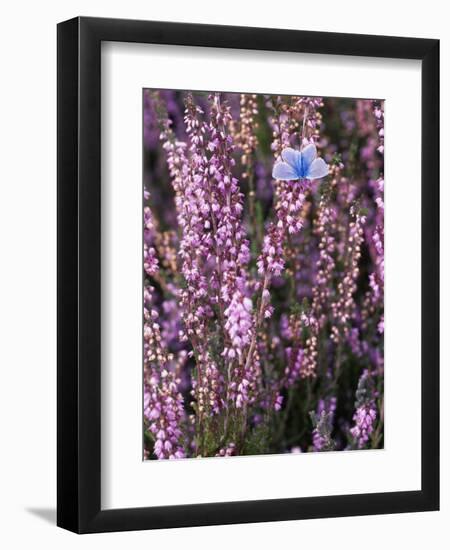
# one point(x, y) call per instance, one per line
point(263, 274)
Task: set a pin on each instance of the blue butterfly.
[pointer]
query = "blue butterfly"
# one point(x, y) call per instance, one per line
point(296, 165)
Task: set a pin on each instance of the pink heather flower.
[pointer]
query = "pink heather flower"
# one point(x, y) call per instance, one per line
point(378, 111)
point(163, 402)
point(293, 369)
point(288, 206)
point(229, 450)
point(293, 170)
point(278, 402)
point(323, 289)
point(150, 260)
point(343, 308)
point(285, 327)
point(364, 419)
point(365, 411)
point(240, 328)
point(239, 324)
point(323, 424)
point(163, 407)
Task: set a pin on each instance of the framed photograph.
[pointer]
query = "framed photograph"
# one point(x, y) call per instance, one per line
point(248, 275)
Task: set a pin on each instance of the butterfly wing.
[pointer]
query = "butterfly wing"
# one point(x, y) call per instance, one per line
point(284, 171)
point(318, 169)
point(291, 156)
point(308, 153)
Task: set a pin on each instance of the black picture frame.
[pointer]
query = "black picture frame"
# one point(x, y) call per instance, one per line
point(79, 280)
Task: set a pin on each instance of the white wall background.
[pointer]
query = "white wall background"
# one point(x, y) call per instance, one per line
point(28, 271)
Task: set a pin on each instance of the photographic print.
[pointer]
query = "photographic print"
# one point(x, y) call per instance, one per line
point(263, 270)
